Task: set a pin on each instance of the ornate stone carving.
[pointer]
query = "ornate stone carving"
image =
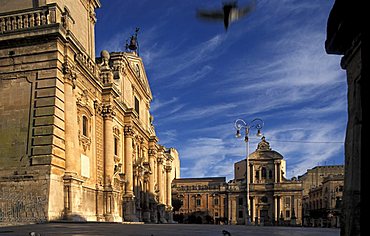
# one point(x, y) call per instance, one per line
point(152, 151)
point(263, 145)
point(84, 141)
point(105, 56)
point(168, 168)
point(105, 110)
point(160, 160)
point(129, 131)
point(70, 75)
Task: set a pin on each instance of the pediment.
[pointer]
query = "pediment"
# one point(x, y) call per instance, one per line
point(137, 67)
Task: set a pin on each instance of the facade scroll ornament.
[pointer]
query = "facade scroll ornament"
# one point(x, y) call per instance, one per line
point(92, 16)
point(98, 107)
point(70, 75)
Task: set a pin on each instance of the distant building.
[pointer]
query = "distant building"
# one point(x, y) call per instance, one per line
point(323, 192)
point(199, 200)
point(315, 176)
point(273, 199)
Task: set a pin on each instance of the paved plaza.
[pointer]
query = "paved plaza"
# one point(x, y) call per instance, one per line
point(81, 229)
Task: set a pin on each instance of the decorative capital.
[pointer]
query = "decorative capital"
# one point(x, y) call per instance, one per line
point(160, 160)
point(168, 168)
point(70, 75)
point(98, 107)
point(129, 131)
point(108, 111)
point(152, 151)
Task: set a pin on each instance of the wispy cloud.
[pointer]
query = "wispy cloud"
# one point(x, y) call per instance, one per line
point(187, 80)
point(202, 52)
point(196, 113)
point(157, 103)
point(167, 137)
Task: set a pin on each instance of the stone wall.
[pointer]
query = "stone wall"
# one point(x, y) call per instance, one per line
point(15, 107)
point(23, 198)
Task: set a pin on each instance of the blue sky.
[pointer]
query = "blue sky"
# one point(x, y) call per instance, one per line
point(270, 65)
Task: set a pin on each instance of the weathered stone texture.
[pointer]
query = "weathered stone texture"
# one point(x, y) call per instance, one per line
point(25, 201)
point(15, 106)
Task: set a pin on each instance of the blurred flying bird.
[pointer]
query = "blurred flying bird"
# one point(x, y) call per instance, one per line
point(229, 13)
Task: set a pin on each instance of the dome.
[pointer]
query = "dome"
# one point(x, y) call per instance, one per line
point(264, 151)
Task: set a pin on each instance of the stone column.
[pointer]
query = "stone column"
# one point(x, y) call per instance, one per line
point(129, 208)
point(128, 132)
point(168, 186)
point(234, 211)
point(251, 170)
point(108, 115)
point(168, 194)
point(160, 181)
point(229, 208)
point(251, 200)
point(72, 183)
point(276, 213)
point(72, 158)
point(109, 200)
point(152, 154)
point(255, 213)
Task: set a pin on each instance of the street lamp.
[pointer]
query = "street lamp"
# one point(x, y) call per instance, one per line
point(239, 125)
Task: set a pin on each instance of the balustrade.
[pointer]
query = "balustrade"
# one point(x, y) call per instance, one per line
point(29, 19)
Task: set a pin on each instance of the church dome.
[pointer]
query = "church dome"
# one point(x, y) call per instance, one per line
point(264, 151)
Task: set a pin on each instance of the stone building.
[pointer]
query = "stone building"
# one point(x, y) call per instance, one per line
point(314, 177)
point(318, 183)
point(209, 200)
point(273, 199)
point(322, 205)
point(76, 135)
point(347, 36)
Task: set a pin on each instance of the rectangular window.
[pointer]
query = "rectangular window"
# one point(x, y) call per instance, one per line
point(241, 201)
point(287, 214)
point(240, 214)
point(199, 202)
point(116, 146)
point(137, 106)
point(216, 201)
point(287, 202)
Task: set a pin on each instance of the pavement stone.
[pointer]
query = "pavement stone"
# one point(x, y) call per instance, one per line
point(82, 229)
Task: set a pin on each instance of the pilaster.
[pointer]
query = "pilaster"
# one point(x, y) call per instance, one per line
point(72, 162)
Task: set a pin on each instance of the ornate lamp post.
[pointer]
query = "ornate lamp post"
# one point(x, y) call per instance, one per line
point(239, 125)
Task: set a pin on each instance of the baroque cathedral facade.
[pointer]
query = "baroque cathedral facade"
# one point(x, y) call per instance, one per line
point(76, 135)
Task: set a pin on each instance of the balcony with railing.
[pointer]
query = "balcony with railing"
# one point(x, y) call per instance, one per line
point(30, 18)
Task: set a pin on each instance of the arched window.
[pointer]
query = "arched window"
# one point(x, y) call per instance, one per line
point(85, 124)
point(263, 172)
